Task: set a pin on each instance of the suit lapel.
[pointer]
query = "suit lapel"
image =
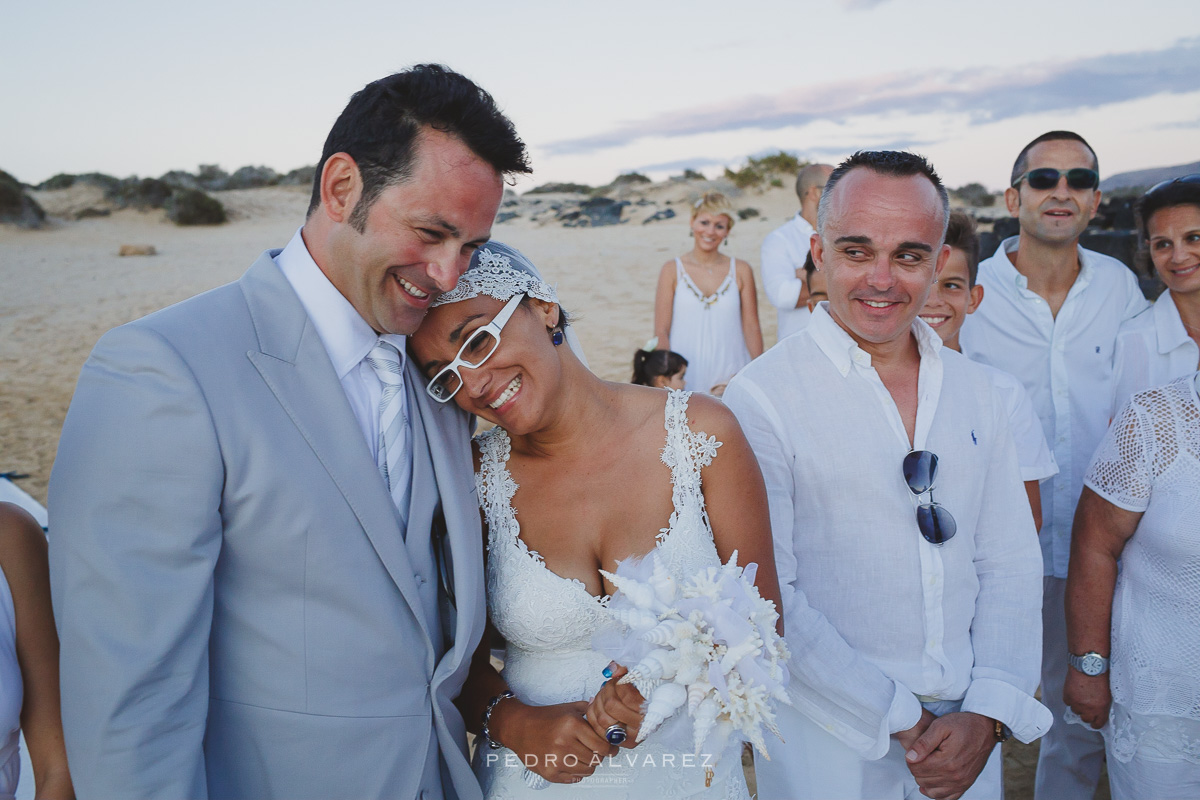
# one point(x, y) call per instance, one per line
point(446, 431)
point(296, 367)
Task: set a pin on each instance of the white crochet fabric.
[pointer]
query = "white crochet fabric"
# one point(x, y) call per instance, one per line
point(1149, 462)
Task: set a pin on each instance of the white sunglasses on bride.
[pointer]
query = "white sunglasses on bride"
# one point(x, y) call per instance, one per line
point(477, 349)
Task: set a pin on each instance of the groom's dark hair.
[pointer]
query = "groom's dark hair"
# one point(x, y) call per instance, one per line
point(380, 124)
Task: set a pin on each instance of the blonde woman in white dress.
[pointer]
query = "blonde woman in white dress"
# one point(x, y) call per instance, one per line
point(706, 304)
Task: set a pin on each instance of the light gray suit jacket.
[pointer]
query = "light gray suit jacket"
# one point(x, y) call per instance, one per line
point(239, 612)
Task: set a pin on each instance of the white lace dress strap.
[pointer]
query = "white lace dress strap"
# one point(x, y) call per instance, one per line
point(686, 543)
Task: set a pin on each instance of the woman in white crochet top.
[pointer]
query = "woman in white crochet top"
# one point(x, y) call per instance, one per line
point(1141, 508)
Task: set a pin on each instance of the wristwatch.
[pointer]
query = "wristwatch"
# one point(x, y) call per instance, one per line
point(1003, 732)
point(1090, 663)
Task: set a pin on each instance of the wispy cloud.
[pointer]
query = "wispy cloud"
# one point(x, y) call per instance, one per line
point(981, 94)
point(861, 5)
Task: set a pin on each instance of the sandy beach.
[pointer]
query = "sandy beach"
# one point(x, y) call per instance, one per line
point(64, 286)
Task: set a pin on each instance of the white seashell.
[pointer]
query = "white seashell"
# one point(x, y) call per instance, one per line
point(703, 720)
point(657, 665)
point(696, 692)
point(666, 588)
point(638, 593)
point(664, 701)
point(663, 632)
point(637, 618)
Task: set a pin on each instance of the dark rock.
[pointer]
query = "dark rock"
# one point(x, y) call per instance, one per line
point(666, 213)
point(252, 178)
point(1121, 245)
point(1006, 227)
point(301, 176)
point(193, 207)
point(16, 207)
point(505, 216)
point(988, 242)
point(644, 202)
point(603, 210)
point(747, 213)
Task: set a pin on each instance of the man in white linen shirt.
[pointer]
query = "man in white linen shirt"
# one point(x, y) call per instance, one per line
point(910, 659)
point(1051, 319)
point(784, 249)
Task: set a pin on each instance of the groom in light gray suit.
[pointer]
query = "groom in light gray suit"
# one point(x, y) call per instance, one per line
point(265, 555)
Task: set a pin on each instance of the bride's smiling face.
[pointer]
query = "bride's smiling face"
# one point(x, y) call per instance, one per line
point(512, 387)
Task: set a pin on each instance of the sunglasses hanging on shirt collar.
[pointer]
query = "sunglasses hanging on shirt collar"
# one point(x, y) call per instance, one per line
point(936, 524)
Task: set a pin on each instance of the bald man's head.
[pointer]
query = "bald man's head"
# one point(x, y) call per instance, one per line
point(812, 177)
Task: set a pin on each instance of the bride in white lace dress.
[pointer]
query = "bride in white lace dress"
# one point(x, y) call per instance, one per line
point(579, 474)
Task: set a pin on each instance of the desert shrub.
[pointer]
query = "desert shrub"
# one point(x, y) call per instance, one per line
point(627, 178)
point(693, 175)
point(554, 188)
point(141, 194)
point(747, 213)
point(194, 207)
point(60, 181)
point(975, 194)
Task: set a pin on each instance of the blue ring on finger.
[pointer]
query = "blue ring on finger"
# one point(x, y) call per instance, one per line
point(616, 734)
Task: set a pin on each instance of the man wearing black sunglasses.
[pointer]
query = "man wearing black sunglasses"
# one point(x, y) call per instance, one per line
point(905, 545)
point(1051, 319)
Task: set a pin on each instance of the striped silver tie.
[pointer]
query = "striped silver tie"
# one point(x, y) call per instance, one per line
point(384, 358)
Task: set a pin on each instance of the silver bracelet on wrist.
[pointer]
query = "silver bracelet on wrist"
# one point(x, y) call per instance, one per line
point(487, 717)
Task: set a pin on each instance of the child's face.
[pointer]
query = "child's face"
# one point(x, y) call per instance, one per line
point(670, 381)
point(817, 290)
point(951, 300)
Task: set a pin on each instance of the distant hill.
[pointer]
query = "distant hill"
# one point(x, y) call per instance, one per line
point(1124, 182)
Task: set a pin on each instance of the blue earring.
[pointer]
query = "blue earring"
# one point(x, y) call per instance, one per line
point(556, 338)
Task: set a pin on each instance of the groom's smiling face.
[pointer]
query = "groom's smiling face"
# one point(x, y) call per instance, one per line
point(419, 234)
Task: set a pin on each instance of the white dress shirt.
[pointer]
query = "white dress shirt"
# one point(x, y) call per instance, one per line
point(1033, 454)
point(348, 339)
point(1065, 363)
point(1153, 348)
point(878, 619)
point(783, 252)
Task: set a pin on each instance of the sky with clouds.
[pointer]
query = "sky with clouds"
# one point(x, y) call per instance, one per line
point(595, 89)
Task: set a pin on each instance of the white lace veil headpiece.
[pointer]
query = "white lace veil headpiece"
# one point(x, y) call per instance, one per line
point(500, 271)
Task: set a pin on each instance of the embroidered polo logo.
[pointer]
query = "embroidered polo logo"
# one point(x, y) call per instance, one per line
point(1097, 348)
point(973, 439)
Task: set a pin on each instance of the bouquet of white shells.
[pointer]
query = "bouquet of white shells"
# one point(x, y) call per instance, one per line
point(706, 644)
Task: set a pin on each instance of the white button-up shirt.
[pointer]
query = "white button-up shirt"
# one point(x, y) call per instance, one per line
point(783, 252)
point(1065, 363)
point(1153, 348)
point(348, 339)
point(875, 616)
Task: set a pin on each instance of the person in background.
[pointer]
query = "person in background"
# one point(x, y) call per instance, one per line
point(706, 307)
point(29, 694)
point(1051, 320)
point(785, 249)
point(1163, 343)
point(955, 295)
point(814, 283)
point(662, 369)
point(911, 594)
point(1133, 595)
